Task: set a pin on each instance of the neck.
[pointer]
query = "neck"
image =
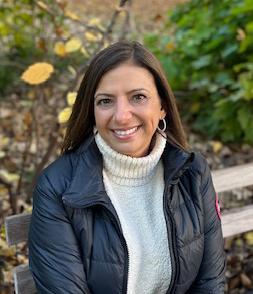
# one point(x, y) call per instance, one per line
point(127, 170)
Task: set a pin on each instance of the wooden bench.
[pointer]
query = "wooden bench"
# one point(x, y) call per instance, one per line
point(234, 222)
point(17, 228)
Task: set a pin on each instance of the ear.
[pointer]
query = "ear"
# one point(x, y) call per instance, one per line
point(162, 113)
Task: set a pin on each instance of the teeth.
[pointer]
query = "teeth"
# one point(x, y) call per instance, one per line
point(125, 133)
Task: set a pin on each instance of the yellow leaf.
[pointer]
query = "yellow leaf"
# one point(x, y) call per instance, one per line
point(96, 22)
point(71, 97)
point(37, 73)
point(59, 49)
point(28, 209)
point(42, 5)
point(84, 51)
point(90, 37)
point(170, 46)
point(106, 44)
point(249, 238)
point(64, 115)
point(3, 235)
point(239, 242)
point(4, 141)
point(73, 44)
point(71, 15)
point(66, 33)
point(217, 146)
point(72, 70)
point(9, 177)
point(8, 252)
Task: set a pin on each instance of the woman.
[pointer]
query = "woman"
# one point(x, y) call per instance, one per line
point(126, 208)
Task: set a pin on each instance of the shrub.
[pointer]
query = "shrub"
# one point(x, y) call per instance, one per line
point(206, 49)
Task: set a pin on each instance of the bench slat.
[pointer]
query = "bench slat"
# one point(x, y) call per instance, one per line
point(17, 228)
point(237, 221)
point(23, 280)
point(233, 177)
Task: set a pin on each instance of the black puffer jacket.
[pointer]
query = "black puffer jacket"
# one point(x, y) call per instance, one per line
point(76, 243)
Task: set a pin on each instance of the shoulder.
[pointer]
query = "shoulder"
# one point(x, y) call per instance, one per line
point(57, 176)
point(197, 169)
point(200, 170)
point(199, 163)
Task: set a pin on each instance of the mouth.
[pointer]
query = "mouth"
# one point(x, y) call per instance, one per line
point(126, 132)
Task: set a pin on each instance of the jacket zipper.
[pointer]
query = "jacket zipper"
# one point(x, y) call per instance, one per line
point(115, 220)
point(172, 241)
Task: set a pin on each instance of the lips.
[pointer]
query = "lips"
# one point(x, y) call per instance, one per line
point(125, 133)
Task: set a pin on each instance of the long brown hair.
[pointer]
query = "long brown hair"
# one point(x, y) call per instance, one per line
point(82, 121)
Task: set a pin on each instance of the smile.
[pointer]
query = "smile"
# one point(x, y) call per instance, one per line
point(123, 133)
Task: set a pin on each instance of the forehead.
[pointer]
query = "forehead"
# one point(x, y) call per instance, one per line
point(127, 75)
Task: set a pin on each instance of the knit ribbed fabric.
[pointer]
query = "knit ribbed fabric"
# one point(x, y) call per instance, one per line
point(130, 171)
point(135, 187)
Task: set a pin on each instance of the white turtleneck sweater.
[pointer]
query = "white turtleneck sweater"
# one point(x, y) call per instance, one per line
point(135, 187)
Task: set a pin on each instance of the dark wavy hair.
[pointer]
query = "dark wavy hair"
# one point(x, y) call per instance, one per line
point(82, 120)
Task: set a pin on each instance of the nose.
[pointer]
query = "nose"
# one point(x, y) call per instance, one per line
point(122, 112)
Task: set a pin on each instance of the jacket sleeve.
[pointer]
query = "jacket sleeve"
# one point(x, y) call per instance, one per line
point(54, 256)
point(211, 276)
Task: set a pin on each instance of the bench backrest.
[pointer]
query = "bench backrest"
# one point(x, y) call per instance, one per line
point(17, 228)
point(237, 221)
point(234, 222)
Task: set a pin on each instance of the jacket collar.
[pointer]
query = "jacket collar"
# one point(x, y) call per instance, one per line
point(176, 161)
point(87, 187)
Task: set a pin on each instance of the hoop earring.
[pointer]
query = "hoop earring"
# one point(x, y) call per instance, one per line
point(164, 125)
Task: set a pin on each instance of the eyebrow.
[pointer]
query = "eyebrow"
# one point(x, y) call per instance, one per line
point(129, 92)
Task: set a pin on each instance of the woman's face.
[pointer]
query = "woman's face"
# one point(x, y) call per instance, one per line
point(127, 109)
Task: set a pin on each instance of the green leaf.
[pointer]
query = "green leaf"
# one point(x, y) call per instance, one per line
point(236, 96)
point(203, 61)
point(230, 49)
point(249, 133)
point(244, 117)
point(224, 79)
point(249, 27)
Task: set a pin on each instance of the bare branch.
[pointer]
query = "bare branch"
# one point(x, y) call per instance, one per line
point(24, 158)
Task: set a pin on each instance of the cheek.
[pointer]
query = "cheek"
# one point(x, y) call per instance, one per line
point(98, 118)
point(101, 118)
point(96, 115)
point(153, 116)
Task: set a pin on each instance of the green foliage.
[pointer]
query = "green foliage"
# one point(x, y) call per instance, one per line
point(206, 49)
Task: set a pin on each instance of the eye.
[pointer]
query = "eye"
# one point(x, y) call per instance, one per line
point(139, 98)
point(104, 102)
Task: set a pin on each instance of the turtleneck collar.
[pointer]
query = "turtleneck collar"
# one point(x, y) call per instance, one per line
point(127, 170)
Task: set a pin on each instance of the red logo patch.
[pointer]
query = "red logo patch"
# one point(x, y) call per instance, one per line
point(217, 206)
